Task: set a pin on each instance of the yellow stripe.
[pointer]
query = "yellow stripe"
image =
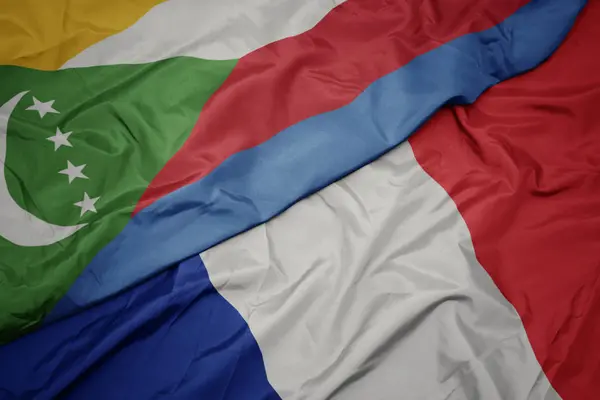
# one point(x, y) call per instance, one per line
point(44, 34)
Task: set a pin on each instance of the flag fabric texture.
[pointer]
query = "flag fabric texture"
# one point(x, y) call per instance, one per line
point(218, 199)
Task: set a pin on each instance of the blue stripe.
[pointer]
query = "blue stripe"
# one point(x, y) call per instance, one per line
point(171, 337)
point(252, 186)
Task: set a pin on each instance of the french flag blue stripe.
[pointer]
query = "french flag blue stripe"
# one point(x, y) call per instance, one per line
point(172, 336)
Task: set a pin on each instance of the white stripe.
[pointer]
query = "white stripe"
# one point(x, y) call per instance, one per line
point(370, 289)
point(209, 29)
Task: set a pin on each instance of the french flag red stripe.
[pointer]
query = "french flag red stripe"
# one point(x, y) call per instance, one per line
point(523, 166)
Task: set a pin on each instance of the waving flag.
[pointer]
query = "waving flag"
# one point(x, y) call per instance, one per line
point(432, 272)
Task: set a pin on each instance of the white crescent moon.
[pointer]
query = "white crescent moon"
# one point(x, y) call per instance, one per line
point(17, 225)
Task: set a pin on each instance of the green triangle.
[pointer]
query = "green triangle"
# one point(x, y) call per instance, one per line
point(126, 121)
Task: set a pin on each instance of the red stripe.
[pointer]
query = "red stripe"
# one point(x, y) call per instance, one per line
point(318, 71)
point(523, 167)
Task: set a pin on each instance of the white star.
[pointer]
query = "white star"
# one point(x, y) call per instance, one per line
point(87, 204)
point(43, 107)
point(73, 171)
point(60, 139)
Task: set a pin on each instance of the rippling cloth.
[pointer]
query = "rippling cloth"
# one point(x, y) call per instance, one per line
point(460, 265)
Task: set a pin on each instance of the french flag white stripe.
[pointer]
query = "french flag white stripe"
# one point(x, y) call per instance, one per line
point(370, 289)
